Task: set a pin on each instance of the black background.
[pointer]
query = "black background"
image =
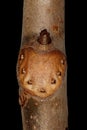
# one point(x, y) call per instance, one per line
point(75, 27)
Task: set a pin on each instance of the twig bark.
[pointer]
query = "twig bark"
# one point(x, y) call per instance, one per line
point(42, 66)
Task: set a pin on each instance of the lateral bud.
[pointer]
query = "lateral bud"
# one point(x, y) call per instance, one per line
point(44, 37)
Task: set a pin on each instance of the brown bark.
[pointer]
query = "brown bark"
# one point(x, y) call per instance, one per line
point(42, 66)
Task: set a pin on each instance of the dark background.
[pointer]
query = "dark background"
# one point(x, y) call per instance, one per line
point(75, 27)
